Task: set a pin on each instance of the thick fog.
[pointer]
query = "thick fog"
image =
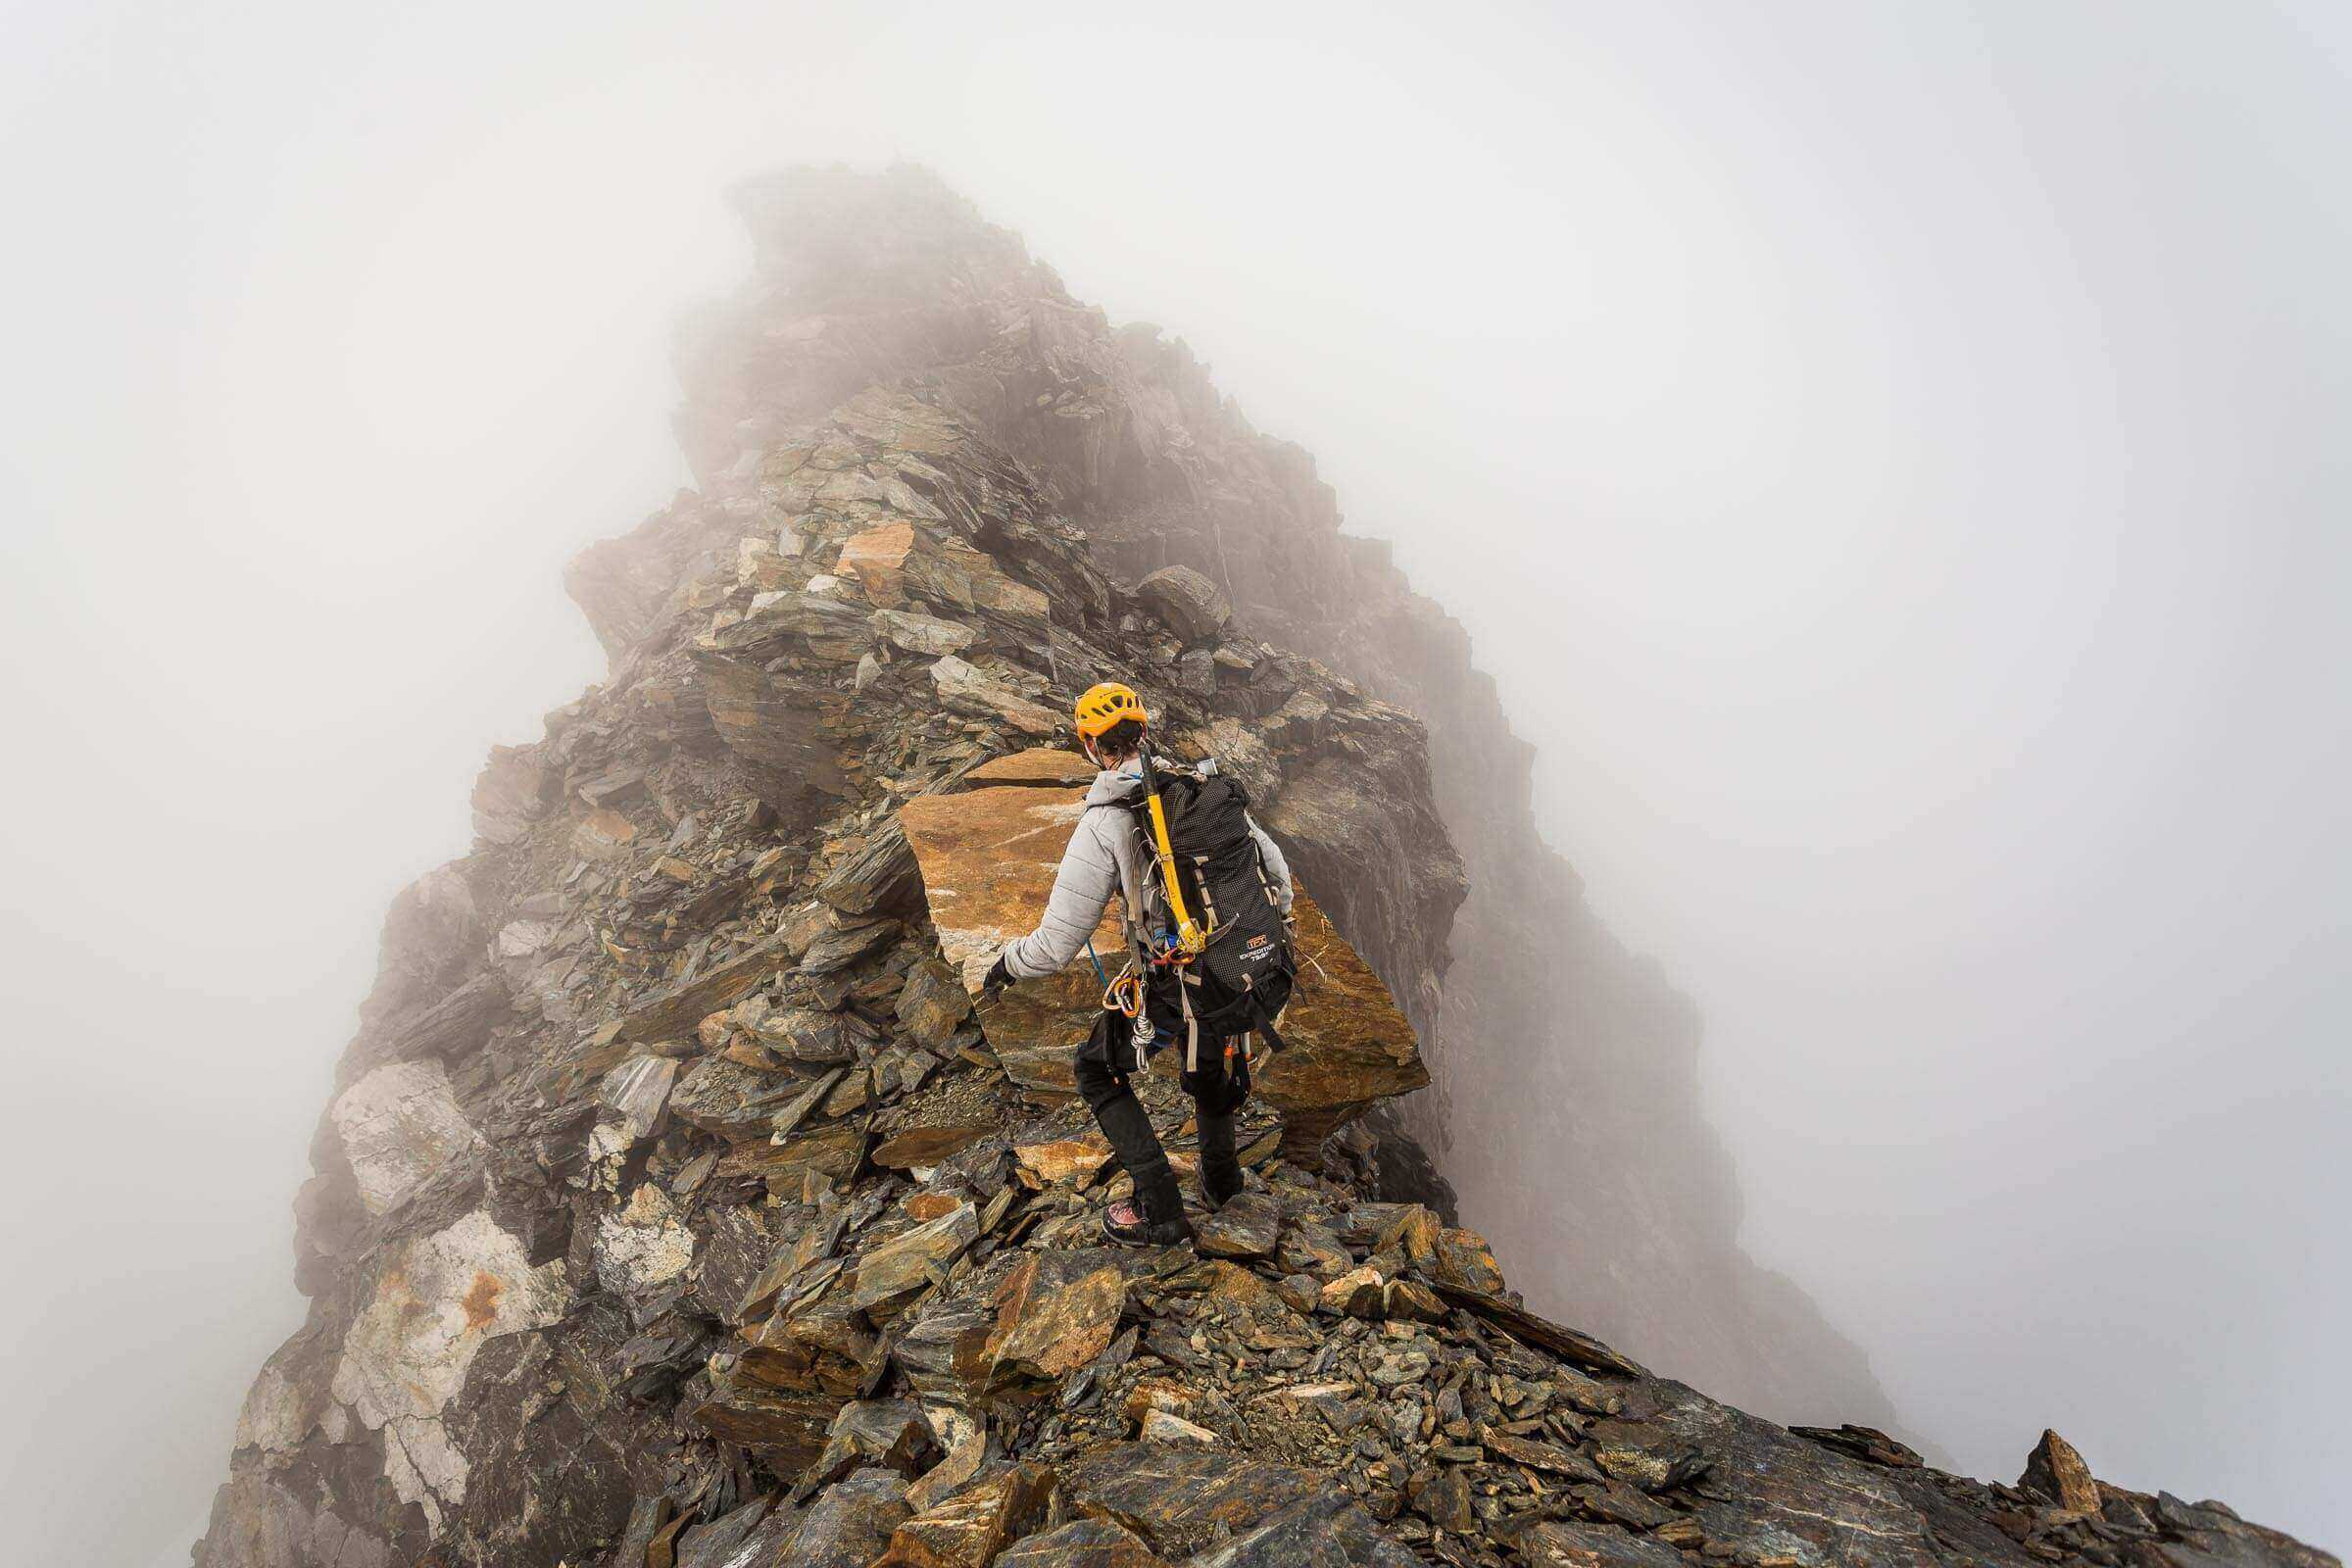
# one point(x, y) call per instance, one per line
point(1893, 459)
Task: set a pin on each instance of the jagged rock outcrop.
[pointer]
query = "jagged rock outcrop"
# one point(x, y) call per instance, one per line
point(677, 1208)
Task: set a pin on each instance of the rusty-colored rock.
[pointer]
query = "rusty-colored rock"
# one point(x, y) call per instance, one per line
point(932, 1003)
point(1355, 1293)
point(1158, 1393)
point(604, 835)
point(834, 1152)
point(924, 1146)
point(1056, 1311)
point(1039, 765)
point(873, 559)
point(1410, 1299)
point(1060, 1159)
point(888, 1433)
point(1462, 1261)
point(785, 1427)
point(2056, 1471)
point(970, 1528)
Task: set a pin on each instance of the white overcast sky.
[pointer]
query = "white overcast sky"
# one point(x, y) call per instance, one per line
point(1891, 457)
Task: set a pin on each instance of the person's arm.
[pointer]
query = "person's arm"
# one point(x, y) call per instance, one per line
point(1277, 868)
point(1089, 879)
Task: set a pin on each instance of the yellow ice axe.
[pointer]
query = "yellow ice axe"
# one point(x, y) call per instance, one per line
point(1189, 935)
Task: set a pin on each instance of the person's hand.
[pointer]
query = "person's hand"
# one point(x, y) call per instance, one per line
point(999, 977)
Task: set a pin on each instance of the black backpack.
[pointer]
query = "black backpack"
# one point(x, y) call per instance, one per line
point(1242, 977)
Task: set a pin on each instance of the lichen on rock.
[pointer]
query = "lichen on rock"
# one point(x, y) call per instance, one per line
point(437, 1299)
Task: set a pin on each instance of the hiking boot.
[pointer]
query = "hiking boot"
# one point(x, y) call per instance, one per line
point(1125, 1222)
point(1217, 1195)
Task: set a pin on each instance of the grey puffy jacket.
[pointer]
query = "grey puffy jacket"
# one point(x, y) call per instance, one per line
point(1106, 857)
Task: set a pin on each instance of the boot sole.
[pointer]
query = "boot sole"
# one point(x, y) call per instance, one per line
point(1149, 1235)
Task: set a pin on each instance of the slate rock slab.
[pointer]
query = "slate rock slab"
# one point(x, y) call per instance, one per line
point(1246, 1226)
point(1083, 1544)
point(970, 1528)
point(851, 1523)
point(1327, 1532)
point(1176, 1497)
point(1056, 1311)
point(1563, 1543)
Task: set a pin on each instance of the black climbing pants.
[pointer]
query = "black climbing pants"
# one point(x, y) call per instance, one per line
point(1128, 1126)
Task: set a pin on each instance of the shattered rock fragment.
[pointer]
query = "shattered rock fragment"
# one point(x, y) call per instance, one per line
point(907, 1261)
point(1179, 1496)
point(888, 1433)
point(969, 1530)
point(1056, 1311)
point(851, 1523)
point(1098, 1543)
point(1244, 1227)
point(967, 690)
point(399, 1125)
point(1565, 1544)
point(1329, 1531)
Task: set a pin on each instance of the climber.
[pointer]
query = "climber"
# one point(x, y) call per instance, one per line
point(1205, 969)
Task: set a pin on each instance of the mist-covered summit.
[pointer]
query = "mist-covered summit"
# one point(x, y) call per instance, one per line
point(677, 1205)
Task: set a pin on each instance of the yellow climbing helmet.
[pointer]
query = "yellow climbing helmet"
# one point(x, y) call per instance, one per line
point(1105, 705)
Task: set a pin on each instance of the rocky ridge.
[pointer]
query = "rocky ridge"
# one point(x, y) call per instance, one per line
point(1549, 1034)
point(677, 1205)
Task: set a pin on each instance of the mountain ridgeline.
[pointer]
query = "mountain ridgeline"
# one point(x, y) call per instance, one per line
point(682, 1203)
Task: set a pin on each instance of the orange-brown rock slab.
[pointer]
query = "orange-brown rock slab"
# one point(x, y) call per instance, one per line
point(1060, 1159)
point(1040, 765)
point(2056, 1470)
point(874, 557)
point(1056, 1311)
point(988, 859)
point(969, 1528)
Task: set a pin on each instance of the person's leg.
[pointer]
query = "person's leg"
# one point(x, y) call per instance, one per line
point(1134, 1144)
point(1220, 1167)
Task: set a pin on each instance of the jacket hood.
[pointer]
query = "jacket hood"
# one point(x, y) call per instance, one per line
point(1112, 787)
